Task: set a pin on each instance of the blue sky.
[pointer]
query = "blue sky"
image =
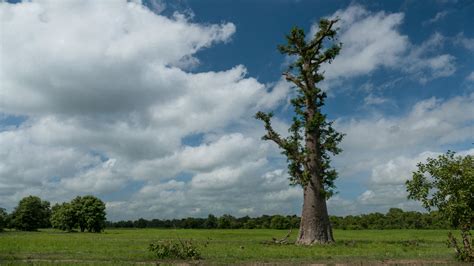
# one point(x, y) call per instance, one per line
point(149, 105)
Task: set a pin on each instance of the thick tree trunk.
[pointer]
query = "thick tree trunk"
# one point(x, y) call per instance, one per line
point(315, 227)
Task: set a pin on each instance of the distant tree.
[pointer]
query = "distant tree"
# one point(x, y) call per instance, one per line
point(141, 223)
point(250, 224)
point(395, 218)
point(211, 222)
point(226, 221)
point(279, 222)
point(31, 213)
point(447, 183)
point(90, 212)
point(312, 138)
point(3, 219)
point(64, 217)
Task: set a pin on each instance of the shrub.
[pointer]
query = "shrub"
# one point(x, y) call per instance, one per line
point(172, 249)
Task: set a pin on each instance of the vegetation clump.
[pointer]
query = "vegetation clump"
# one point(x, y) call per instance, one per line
point(447, 183)
point(31, 213)
point(85, 213)
point(3, 219)
point(175, 249)
point(395, 218)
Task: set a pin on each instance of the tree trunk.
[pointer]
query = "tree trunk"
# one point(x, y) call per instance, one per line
point(315, 227)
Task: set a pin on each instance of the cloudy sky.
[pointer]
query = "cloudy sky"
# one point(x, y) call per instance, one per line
point(149, 104)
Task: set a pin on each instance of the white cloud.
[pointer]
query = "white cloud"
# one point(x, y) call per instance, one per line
point(466, 42)
point(374, 100)
point(424, 65)
point(382, 152)
point(396, 171)
point(108, 101)
point(439, 16)
point(429, 122)
point(470, 77)
point(372, 40)
point(108, 104)
point(50, 67)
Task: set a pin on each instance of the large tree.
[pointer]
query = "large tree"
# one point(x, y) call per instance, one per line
point(312, 138)
point(31, 213)
point(90, 213)
point(63, 217)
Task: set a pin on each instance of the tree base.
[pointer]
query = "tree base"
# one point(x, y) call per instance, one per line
point(320, 236)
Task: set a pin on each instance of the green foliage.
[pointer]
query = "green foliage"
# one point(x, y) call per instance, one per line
point(447, 183)
point(90, 213)
point(312, 138)
point(394, 219)
point(3, 219)
point(279, 222)
point(211, 222)
point(172, 249)
point(226, 221)
point(31, 213)
point(63, 217)
point(87, 213)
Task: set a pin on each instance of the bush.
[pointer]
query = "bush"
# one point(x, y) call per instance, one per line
point(172, 249)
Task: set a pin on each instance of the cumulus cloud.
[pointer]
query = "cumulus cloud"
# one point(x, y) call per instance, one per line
point(387, 187)
point(430, 124)
point(106, 107)
point(425, 64)
point(59, 64)
point(372, 40)
point(109, 102)
point(470, 77)
point(463, 41)
point(382, 152)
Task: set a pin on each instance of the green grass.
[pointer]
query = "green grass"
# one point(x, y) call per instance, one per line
point(125, 246)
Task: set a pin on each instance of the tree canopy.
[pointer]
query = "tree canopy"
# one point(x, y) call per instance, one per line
point(85, 213)
point(31, 213)
point(447, 184)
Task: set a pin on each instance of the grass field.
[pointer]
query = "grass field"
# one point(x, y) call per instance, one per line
point(127, 246)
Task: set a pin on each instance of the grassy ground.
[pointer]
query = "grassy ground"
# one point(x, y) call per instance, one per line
point(126, 246)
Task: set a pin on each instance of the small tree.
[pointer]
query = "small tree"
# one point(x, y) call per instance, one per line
point(447, 183)
point(31, 213)
point(90, 213)
point(312, 138)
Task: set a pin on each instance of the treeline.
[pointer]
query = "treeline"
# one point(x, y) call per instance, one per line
point(82, 213)
point(394, 219)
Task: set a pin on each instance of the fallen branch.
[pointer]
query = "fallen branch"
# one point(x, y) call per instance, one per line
point(281, 241)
